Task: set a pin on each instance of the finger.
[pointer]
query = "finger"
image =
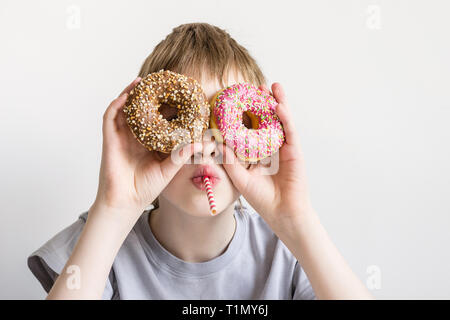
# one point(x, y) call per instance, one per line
point(278, 93)
point(131, 86)
point(116, 105)
point(258, 167)
point(264, 89)
point(111, 113)
point(237, 173)
point(121, 119)
point(284, 113)
point(177, 158)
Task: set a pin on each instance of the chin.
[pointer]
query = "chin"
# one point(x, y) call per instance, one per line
point(200, 208)
point(195, 203)
point(201, 213)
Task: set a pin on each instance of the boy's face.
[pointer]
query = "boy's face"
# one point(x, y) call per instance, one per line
point(186, 191)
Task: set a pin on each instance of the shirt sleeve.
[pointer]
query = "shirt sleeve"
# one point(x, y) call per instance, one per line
point(301, 286)
point(47, 262)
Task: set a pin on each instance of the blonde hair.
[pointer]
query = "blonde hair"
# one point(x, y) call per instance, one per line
point(202, 51)
point(197, 48)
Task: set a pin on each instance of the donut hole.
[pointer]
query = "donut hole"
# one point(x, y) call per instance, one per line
point(168, 112)
point(249, 120)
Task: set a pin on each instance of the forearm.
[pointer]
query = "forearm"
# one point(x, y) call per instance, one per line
point(93, 255)
point(328, 272)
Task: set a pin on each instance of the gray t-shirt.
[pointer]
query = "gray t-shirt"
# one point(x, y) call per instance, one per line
point(255, 265)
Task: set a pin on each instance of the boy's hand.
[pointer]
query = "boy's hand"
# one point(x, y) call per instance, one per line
point(282, 198)
point(131, 176)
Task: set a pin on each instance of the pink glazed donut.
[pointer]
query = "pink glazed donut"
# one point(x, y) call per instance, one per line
point(266, 135)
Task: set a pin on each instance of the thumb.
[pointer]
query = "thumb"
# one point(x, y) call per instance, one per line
point(237, 173)
point(177, 158)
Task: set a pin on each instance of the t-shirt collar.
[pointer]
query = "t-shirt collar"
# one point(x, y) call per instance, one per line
point(166, 260)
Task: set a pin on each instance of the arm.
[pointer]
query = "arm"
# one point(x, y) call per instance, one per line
point(283, 201)
point(328, 272)
point(93, 255)
point(130, 178)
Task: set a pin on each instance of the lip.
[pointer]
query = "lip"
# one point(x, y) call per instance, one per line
point(200, 172)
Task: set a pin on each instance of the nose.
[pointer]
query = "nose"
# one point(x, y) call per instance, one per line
point(209, 152)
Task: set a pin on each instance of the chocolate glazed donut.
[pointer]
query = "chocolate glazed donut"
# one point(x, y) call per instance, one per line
point(178, 91)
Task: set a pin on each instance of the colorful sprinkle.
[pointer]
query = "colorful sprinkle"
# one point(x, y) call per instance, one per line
point(250, 144)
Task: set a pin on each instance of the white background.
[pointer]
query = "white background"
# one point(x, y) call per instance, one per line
point(368, 81)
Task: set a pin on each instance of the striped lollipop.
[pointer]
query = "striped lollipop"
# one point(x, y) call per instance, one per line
point(209, 193)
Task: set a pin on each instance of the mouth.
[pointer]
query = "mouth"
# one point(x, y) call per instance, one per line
point(202, 171)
